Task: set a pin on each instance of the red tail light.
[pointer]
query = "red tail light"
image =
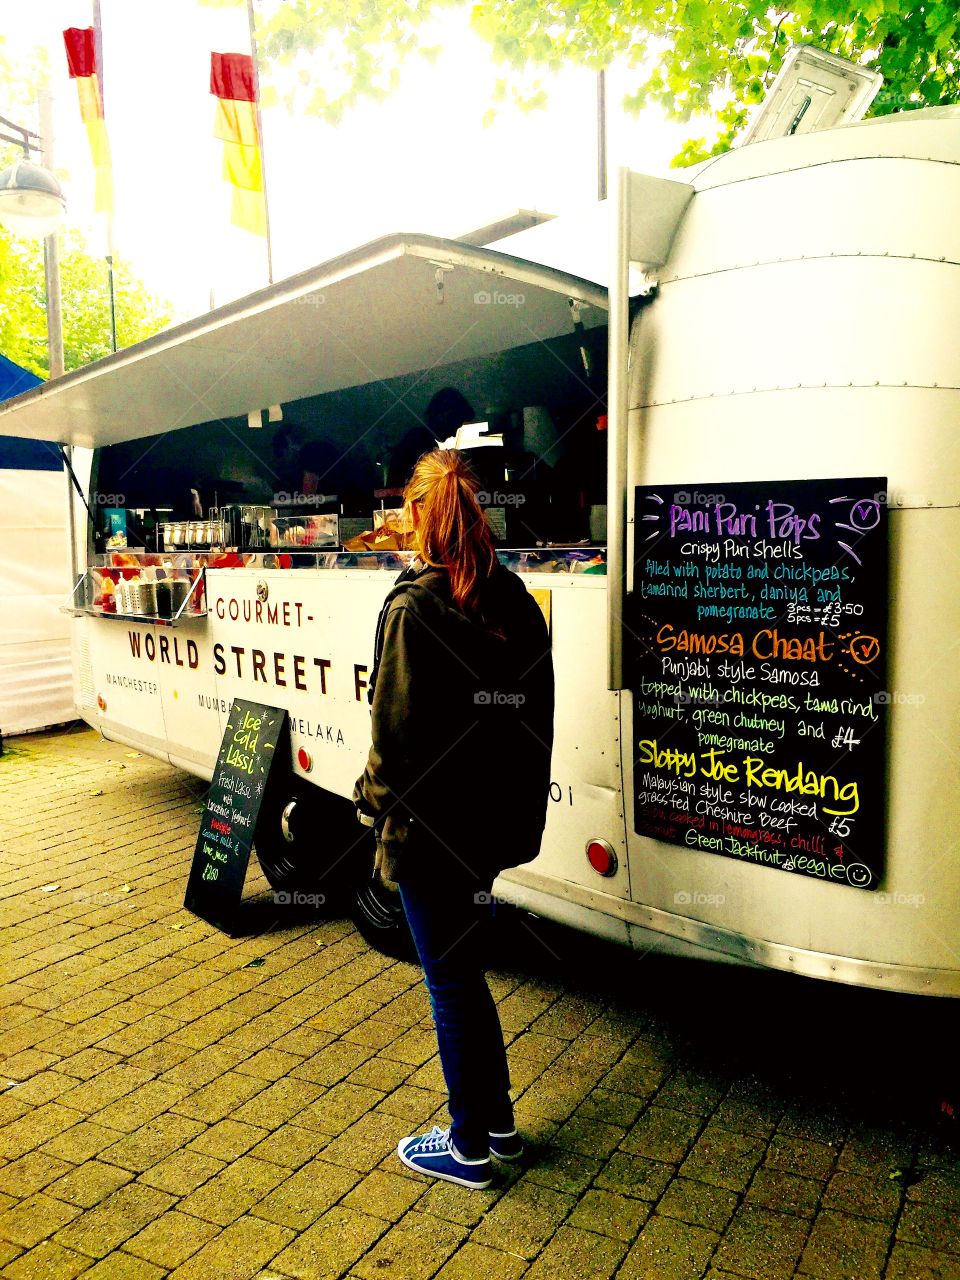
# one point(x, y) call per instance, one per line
point(602, 858)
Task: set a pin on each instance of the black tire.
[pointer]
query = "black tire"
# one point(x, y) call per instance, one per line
point(301, 838)
point(376, 910)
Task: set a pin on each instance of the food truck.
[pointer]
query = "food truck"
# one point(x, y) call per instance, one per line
point(715, 424)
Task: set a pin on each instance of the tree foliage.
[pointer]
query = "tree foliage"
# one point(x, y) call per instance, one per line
point(83, 278)
point(85, 299)
point(687, 56)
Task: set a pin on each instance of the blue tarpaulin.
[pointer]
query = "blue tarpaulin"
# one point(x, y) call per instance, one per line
point(16, 453)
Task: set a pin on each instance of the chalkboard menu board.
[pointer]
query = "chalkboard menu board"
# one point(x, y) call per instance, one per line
point(757, 632)
point(250, 743)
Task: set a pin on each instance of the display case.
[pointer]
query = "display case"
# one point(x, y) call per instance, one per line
point(320, 530)
point(148, 588)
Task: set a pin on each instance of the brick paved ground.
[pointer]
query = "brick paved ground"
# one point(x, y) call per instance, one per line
point(177, 1103)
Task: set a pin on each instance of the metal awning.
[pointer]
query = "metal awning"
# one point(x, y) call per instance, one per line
point(395, 306)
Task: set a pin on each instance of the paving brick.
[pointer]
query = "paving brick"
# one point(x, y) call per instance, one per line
point(583, 1254)
point(412, 1248)
point(44, 1087)
point(699, 1203)
point(115, 1082)
point(473, 1260)
point(31, 1173)
point(692, 1091)
point(387, 1195)
point(35, 1218)
point(23, 1065)
point(227, 1139)
point(380, 1073)
point(35, 1128)
point(181, 1172)
point(563, 1170)
point(802, 1156)
point(634, 1176)
point(88, 1063)
point(49, 1261)
point(864, 1196)
point(373, 1138)
point(524, 1218)
point(171, 1239)
point(339, 1107)
point(329, 1247)
point(270, 1064)
point(280, 1101)
point(932, 1225)
point(668, 1250)
point(127, 1211)
point(911, 1262)
point(610, 1107)
point(220, 1098)
point(234, 1190)
point(143, 1104)
point(412, 1104)
point(840, 1245)
point(308, 1193)
point(123, 1266)
point(785, 1192)
point(151, 1143)
point(89, 1183)
point(662, 1133)
point(81, 1141)
point(199, 1067)
point(724, 1158)
point(610, 1214)
point(290, 1146)
point(762, 1244)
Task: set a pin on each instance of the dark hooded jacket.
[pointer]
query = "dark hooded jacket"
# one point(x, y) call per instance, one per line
point(462, 724)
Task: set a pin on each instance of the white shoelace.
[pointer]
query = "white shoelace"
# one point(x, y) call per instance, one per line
point(435, 1140)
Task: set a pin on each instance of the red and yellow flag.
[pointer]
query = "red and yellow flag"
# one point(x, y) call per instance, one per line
point(232, 83)
point(82, 62)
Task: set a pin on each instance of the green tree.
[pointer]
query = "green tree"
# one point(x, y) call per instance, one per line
point(86, 307)
point(688, 56)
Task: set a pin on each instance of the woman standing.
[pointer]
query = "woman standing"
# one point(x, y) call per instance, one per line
point(457, 783)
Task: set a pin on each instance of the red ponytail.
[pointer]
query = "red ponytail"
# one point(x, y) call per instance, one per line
point(452, 532)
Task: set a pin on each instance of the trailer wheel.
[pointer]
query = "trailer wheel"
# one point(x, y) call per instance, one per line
point(300, 840)
point(377, 911)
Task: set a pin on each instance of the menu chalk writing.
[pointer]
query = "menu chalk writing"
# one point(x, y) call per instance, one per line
point(250, 744)
point(758, 632)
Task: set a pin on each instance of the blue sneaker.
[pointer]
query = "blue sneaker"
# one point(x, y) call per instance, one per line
point(506, 1146)
point(434, 1154)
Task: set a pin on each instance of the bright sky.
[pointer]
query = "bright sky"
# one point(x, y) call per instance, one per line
point(422, 161)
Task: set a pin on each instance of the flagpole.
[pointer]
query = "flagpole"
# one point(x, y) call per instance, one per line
point(98, 45)
point(263, 157)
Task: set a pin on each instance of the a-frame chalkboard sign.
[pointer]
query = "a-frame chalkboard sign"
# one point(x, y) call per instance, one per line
point(254, 737)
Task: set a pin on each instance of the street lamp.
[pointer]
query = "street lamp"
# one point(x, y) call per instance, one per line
point(32, 204)
point(31, 201)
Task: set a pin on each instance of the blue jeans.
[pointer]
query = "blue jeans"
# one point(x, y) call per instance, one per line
point(449, 927)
